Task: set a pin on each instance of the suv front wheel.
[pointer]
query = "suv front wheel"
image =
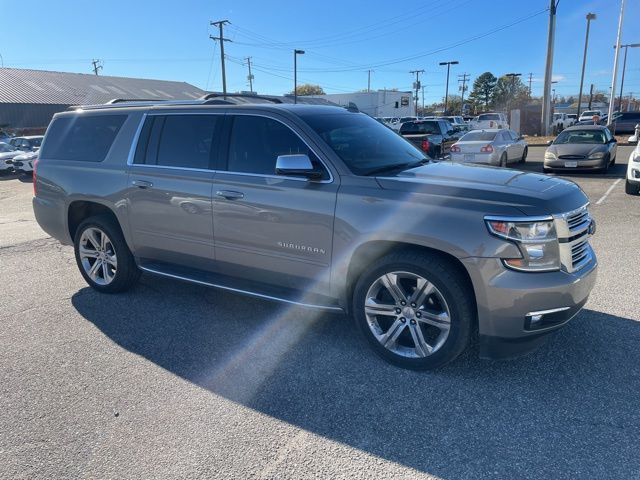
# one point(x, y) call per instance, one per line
point(416, 309)
point(102, 255)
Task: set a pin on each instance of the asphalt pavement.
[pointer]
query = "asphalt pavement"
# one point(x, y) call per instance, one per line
point(173, 380)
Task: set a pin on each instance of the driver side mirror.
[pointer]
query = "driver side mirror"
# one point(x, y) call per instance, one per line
point(296, 165)
point(633, 139)
point(549, 142)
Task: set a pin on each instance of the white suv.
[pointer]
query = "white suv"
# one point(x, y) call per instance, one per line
point(589, 114)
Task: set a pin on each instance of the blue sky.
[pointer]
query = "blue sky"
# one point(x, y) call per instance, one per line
point(342, 41)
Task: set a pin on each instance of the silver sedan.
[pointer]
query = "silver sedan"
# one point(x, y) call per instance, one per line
point(497, 146)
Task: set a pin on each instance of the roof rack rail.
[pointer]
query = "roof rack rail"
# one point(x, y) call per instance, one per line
point(218, 96)
point(124, 100)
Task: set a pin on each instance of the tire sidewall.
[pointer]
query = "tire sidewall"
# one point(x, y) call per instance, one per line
point(460, 323)
point(121, 250)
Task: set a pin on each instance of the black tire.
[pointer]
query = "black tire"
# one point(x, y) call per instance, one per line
point(503, 160)
point(451, 283)
point(631, 188)
point(547, 170)
point(613, 161)
point(127, 272)
point(524, 154)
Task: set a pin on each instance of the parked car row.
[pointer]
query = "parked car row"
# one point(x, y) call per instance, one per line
point(18, 154)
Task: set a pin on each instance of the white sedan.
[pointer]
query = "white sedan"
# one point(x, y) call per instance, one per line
point(498, 147)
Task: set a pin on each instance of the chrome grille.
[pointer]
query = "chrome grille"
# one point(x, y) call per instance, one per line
point(580, 253)
point(573, 235)
point(575, 220)
point(572, 157)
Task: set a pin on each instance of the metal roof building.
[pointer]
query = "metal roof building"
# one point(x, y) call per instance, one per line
point(29, 98)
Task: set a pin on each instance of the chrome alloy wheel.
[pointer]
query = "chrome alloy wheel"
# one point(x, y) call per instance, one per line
point(407, 314)
point(97, 255)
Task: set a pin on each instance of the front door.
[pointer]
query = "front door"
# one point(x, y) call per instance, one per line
point(269, 227)
point(169, 189)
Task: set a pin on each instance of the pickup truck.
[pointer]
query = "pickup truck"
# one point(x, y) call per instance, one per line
point(433, 137)
point(322, 208)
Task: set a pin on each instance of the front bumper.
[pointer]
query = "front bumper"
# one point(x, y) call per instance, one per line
point(506, 298)
point(559, 164)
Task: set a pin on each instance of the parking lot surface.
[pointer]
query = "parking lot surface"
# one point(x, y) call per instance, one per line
point(173, 380)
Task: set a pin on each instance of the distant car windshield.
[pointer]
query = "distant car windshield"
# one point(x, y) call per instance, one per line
point(590, 113)
point(580, 136)
point(5, 147)
point(478, 136)
point(35, 142)
point(363, 144)
point(489, 116)
point(416, 128)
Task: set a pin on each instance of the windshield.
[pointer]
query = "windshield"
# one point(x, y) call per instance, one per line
point(35, 142)
point(413, 128)
point(5, 147)
point(478, 136)
point(581, 136)
point(590, 113)
point(363, 144)
point(489, 116)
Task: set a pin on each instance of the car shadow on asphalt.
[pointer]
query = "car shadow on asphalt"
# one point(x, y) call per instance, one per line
point(570, 409)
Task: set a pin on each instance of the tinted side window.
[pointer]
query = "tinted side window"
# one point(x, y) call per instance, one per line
point(84, 137)
point(256, 143)
point(187, 141)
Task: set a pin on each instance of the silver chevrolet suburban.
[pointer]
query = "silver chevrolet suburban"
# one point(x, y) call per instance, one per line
point(321, 207)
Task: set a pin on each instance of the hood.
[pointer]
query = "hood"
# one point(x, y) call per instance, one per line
point(584, 149)
point(10, 155)
point(26, 156)
point(531, 193)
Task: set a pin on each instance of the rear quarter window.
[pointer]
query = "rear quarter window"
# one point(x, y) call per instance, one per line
point(84, 138)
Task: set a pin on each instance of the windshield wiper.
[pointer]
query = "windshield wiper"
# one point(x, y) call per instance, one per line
point(398, 166)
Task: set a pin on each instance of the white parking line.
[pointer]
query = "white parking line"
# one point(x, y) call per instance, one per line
point(606, 194)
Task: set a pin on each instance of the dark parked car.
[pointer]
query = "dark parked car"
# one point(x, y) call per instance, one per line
point(434, 137)
point(591, 147)
point(625, 122)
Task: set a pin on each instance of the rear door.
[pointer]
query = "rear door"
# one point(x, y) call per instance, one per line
point(169, 189)
point(269, 227)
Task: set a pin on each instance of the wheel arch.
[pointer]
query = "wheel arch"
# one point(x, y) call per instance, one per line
point(80, 210)
point(369, 252)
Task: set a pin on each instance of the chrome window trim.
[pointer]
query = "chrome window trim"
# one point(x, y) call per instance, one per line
point(136, 138)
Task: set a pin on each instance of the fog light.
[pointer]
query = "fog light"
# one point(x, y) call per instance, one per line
point(545, 318)
point(533, 319)
point(636, 173)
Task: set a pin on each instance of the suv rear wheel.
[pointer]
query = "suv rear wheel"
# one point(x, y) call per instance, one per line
point(102, 255)
point(415, 308)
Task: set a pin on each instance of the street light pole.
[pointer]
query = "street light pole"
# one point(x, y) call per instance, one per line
point(614, 79)
point(446, 93)
point(624, 68)
point(295, 73)
point(590, 16)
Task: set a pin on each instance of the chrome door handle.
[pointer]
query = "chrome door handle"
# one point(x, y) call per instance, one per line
point(230, 194)
point(142, 184)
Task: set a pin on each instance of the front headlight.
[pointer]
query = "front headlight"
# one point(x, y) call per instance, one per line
point(635, 157)
point(549, 156)
point(537, 241)
point(596, 156)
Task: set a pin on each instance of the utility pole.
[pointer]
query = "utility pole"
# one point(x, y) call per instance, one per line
point(530, 80)
point(548, 71)
point(296, 52)
point(220, 24)
point(416, 87)
point(590, 16)
point(513, 77)
point(423, 100)
point(96, 65)
point(590, 97)
point(250, 76)
point(624, 68)
point(369, 80)
point(614, 79)
point(464, 79)
point(446, 92)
